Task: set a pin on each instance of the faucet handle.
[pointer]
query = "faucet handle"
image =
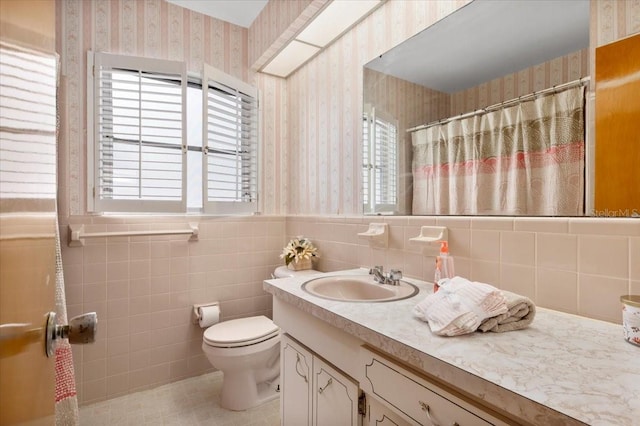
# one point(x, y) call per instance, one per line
point(375, 268)
point(395, 274)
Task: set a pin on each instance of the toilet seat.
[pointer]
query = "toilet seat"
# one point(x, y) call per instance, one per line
point(240, 332)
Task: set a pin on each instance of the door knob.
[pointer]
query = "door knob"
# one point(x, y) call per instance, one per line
point(15, 337)
point(81, 329)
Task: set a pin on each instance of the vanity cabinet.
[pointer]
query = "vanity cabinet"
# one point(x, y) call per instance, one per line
point(313, 391)
point(316, 392)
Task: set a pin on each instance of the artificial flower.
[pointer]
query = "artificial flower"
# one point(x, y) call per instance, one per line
point(298, 249)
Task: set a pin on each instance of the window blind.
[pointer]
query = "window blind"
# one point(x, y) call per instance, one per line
point(230, 139)
point(27, 124)
point(139, 134)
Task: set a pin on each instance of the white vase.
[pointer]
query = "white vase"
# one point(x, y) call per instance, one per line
point(300, 265)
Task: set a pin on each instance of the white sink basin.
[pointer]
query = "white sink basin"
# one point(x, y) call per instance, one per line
point(358, 288)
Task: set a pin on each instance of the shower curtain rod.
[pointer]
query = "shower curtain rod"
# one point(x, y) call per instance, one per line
point(554, 89)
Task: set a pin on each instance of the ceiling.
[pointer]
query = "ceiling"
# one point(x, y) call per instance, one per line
point(488, 39)
point(238, 12)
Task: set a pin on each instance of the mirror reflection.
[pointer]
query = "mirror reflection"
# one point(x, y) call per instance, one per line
point(481, 113)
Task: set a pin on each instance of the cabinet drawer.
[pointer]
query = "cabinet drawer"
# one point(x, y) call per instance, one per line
point(416, 399)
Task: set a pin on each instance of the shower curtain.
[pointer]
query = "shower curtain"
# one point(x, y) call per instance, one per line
point(526, 159)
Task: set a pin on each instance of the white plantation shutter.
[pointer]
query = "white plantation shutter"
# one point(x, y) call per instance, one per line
point(380, 169)
point(366, 163)
point(139, 134)
point(230, 140)
point(27, 124)
point(385, 165)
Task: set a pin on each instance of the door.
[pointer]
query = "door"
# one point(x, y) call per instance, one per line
point(295, 380)
point(617, 192)
point(27, 210)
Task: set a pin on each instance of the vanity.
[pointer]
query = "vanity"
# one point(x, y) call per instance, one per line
point(352, 363)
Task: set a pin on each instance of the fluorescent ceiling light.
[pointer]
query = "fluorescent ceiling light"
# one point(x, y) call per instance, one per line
point(290, 58)
point(335, 19)
point(329, 24)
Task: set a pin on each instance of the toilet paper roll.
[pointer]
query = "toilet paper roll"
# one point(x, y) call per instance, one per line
point(208, 315)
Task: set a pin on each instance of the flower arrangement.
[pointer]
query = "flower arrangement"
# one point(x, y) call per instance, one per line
point(298, 249)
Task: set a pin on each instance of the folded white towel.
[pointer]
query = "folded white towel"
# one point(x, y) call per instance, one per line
point(460, 306)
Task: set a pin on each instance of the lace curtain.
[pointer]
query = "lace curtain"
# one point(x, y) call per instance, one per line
point(526, 159)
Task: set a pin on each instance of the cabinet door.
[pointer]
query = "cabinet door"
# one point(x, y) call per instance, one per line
point(296, 365)
point(335, 397)
point(379, 415)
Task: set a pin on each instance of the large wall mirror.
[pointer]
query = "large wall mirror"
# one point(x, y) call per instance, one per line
point(489, 53)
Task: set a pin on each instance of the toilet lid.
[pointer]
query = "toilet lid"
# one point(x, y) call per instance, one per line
point(240, 332)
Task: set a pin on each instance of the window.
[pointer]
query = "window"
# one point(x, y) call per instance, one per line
point(149, 122)
point(380, 166)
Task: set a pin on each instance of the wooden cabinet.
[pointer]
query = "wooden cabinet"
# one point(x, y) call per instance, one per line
point(313, 392)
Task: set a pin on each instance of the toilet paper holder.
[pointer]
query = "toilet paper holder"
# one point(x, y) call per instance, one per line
point(195, 314)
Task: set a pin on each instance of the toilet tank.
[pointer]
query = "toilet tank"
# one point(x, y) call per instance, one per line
point(284, 272)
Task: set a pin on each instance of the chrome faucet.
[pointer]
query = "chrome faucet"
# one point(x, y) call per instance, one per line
point(393, 278)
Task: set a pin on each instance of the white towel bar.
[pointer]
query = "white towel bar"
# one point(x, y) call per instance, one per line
point(77, 234)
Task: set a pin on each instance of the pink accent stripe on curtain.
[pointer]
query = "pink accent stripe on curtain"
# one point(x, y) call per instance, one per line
point(569, 153)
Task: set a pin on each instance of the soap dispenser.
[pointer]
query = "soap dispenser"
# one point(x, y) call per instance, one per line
point(444, 265)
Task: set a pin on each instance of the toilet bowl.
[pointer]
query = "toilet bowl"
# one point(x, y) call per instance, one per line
point(247, 351)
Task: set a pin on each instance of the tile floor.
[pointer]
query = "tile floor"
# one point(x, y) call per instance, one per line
point(193, 401)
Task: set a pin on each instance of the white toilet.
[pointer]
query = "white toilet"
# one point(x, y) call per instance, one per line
point(247, 351)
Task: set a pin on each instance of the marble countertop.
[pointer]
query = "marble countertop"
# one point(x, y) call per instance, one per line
point(563, 369)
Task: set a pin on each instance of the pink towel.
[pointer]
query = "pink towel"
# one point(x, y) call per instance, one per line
point(460, 306)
